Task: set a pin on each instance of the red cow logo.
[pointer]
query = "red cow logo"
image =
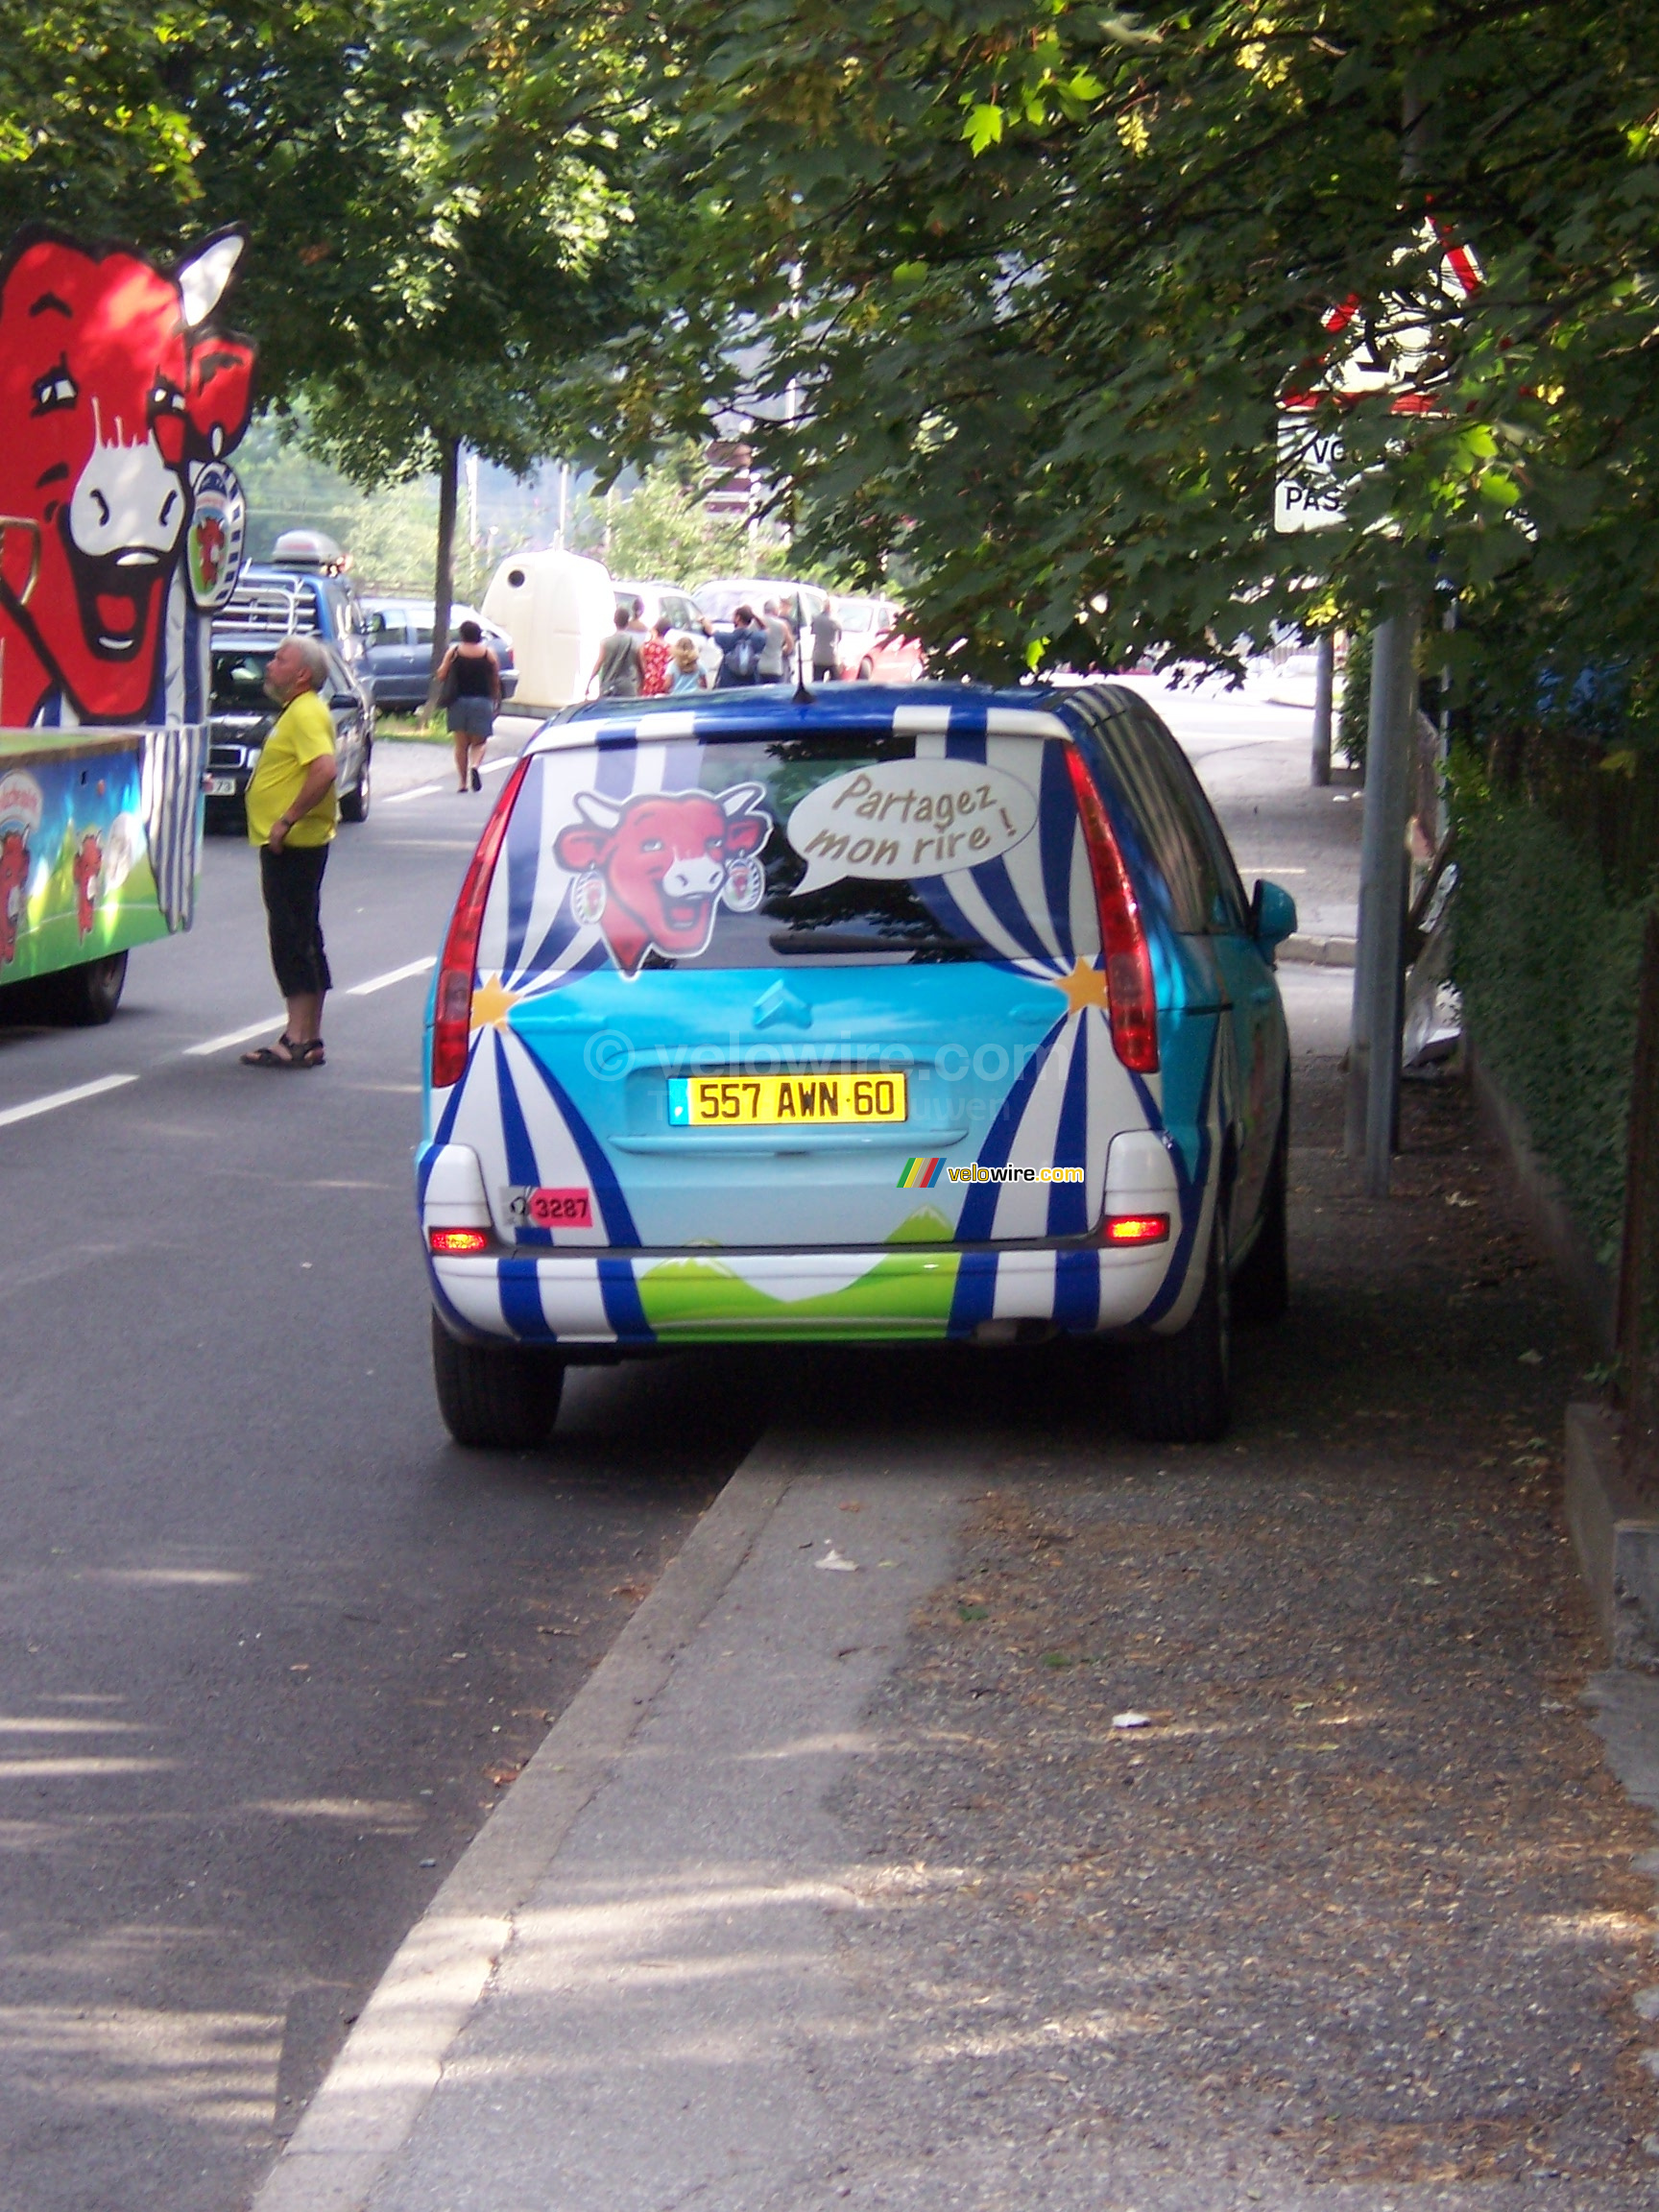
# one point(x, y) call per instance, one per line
point(89, 863)
point(113, 384)
point(14, 876)
point(654, 868)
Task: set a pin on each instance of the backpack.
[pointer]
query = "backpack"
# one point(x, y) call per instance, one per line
point(744, 655)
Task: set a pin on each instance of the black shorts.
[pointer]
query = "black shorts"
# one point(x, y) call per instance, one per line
point(292, 881)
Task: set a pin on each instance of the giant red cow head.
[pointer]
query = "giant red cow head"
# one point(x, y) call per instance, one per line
point(661, 862)
point(113, 381)
point(13, 877)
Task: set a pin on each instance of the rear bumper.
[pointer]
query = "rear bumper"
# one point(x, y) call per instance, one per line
point(794, 1297)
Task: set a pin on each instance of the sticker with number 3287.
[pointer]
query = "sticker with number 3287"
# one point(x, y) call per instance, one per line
point(549, 1209)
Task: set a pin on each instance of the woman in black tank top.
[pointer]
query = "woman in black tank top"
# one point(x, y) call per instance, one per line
point(469, 688)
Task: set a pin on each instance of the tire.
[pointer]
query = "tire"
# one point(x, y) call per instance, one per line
point(1178, 1389)
point(494, 1397)
point(865, 671)
point(86, 996)
point(354, 805)
point(1262, 1287)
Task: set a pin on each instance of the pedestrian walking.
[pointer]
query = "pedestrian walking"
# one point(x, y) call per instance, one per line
point(617, 670)
point(740, 649)
point(654, 661)
point(470, 693)
point(685, 671)
point(826, 639)
point(780, 644)
point(291, 817)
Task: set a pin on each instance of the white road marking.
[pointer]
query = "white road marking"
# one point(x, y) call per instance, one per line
point(393, 976)
point(57, 1098)
point(425, 790)
point(233, 1037)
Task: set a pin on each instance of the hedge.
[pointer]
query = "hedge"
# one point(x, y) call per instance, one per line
point(1547, 962)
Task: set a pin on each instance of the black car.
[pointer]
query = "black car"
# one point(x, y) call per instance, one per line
point(397, 649)
point(242, 720)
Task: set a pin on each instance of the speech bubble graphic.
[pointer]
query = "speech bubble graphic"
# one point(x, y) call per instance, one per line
point(897, 819)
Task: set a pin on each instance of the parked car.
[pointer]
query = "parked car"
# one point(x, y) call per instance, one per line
point(874, 649)
point(397, 649)
point(921, 1011)
point(296, 598)
point(242, 716)
point(655, 600)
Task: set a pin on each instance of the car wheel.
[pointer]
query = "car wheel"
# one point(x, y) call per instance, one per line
point(494, 1397)
point(354, 805)
point(83, 997)
point(1262, 1287)
point(866, 670)
point(1179, 1389)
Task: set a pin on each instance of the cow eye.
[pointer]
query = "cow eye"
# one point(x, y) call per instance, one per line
point(56, 389)
point(651, 844)
point(166, 397)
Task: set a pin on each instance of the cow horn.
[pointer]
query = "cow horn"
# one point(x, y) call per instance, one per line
point(742, 798)
point(202, 278)
point(598, 813)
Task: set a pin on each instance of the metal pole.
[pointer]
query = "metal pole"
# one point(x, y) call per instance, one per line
point(1324, 671)
point(1374, 1054)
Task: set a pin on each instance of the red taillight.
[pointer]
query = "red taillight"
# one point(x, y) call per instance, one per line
point(1136, 1228)
point(1131, 1003)
point(452, 1004)
point(458, 1241)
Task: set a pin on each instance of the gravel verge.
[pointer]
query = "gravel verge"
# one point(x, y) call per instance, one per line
point(1238, 1835)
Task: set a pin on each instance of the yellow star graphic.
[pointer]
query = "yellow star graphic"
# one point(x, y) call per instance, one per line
point(1085, 986)
point(491, 1003)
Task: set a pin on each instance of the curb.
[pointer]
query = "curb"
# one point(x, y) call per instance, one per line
point(389, 2064)
point(1319, 951)
point(1615, 1536)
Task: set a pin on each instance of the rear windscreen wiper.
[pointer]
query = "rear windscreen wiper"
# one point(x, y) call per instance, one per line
point(846, 941)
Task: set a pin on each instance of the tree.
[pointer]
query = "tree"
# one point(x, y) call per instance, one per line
point(426, 187)
point(1040, 276)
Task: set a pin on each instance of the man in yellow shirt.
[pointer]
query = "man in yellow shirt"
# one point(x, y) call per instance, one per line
point(291, 817)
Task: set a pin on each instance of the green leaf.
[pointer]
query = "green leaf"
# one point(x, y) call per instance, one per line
point(983, 126)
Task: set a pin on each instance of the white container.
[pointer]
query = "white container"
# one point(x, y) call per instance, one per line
point(558, 609)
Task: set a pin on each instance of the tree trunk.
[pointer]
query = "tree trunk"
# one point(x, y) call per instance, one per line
point(1639, 1267)
point(443, 576)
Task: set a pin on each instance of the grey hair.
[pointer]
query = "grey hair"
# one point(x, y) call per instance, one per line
point(313, 660)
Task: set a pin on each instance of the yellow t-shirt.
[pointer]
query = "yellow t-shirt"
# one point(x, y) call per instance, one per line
point(304, 733)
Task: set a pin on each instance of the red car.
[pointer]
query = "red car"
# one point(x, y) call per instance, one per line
point(873, 648)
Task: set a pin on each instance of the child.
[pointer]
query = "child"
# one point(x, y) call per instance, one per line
point(683, 672)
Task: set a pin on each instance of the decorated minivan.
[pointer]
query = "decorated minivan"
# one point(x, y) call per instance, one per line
point(892, 1014)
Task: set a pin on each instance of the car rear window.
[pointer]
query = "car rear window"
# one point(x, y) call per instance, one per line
point(788, 852)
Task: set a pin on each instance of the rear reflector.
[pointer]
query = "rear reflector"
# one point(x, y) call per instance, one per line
point(452, 1241)
point(1131, 1003)
point(1137, 1228)
point(452, 1000)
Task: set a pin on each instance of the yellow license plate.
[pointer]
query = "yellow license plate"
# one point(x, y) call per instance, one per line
point(771, 1102)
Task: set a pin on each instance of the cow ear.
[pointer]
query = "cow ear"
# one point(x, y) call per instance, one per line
point(578, 848)
point(204, 275)
point(748, 834)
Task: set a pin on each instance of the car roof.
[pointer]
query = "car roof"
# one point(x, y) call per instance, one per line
point(956, 709)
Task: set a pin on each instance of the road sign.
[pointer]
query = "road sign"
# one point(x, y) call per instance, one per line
point(1394, 351)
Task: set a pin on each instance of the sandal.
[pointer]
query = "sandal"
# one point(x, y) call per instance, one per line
point(294, 1055)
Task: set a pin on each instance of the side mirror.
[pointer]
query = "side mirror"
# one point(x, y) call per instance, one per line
point(1272, 915)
